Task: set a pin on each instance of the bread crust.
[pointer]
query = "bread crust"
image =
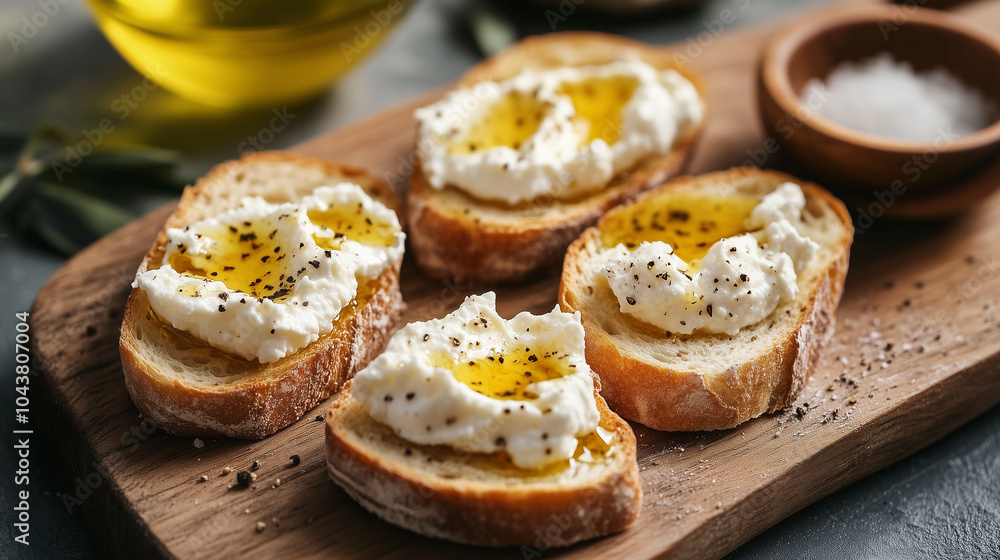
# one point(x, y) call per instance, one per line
point(458, 237)
point(672, 399)
point(266, 397)
point(540, 515)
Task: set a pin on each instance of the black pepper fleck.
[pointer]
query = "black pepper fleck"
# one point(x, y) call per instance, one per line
point(244, 478)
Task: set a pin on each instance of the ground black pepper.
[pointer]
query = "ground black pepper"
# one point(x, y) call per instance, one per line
point(245, 478)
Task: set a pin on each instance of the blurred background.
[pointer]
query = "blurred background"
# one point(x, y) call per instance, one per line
point(63, 83)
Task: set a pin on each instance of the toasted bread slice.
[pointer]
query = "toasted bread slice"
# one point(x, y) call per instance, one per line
point(191, 389)
point(439, 492)
point(708, 381)
point(459, 237)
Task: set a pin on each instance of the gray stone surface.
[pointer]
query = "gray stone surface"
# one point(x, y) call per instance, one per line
point(943, 502)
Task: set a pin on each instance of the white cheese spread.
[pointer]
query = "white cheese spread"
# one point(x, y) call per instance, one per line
point(738, 283)
point(479, 383)
point(559, 133)
point(264, 280)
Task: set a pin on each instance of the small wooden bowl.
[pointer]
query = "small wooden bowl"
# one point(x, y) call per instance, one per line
point(855, 162)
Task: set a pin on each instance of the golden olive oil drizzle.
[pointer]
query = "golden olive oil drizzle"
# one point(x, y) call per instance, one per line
point(690, 223)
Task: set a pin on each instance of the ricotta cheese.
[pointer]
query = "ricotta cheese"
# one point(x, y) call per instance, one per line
point(738, 283)
point(560, 133)
point(264, 280)
point(482, 384)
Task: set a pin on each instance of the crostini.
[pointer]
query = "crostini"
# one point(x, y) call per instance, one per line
point(485, 431)
point(534, 144)
point(274, 280)
point(707, 301)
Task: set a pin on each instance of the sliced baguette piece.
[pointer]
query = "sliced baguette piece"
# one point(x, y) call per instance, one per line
point(458, 237)
point(706, 381)
point(439, 492)
point(191, 389)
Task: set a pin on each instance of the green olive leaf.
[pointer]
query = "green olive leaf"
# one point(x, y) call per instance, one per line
point(14, 190)
point(63, 197)
point(42, 224)
point(69, 220)
point(145, 167)
point(132, 161)
point(492, 30)
point(8, 184)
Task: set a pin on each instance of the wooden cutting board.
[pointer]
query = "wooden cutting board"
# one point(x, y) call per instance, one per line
point(916, 354)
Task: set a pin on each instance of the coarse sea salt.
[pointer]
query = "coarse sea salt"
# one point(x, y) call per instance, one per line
point(888, 98)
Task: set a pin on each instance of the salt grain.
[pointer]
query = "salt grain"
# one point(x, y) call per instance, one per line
point(888, 98)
